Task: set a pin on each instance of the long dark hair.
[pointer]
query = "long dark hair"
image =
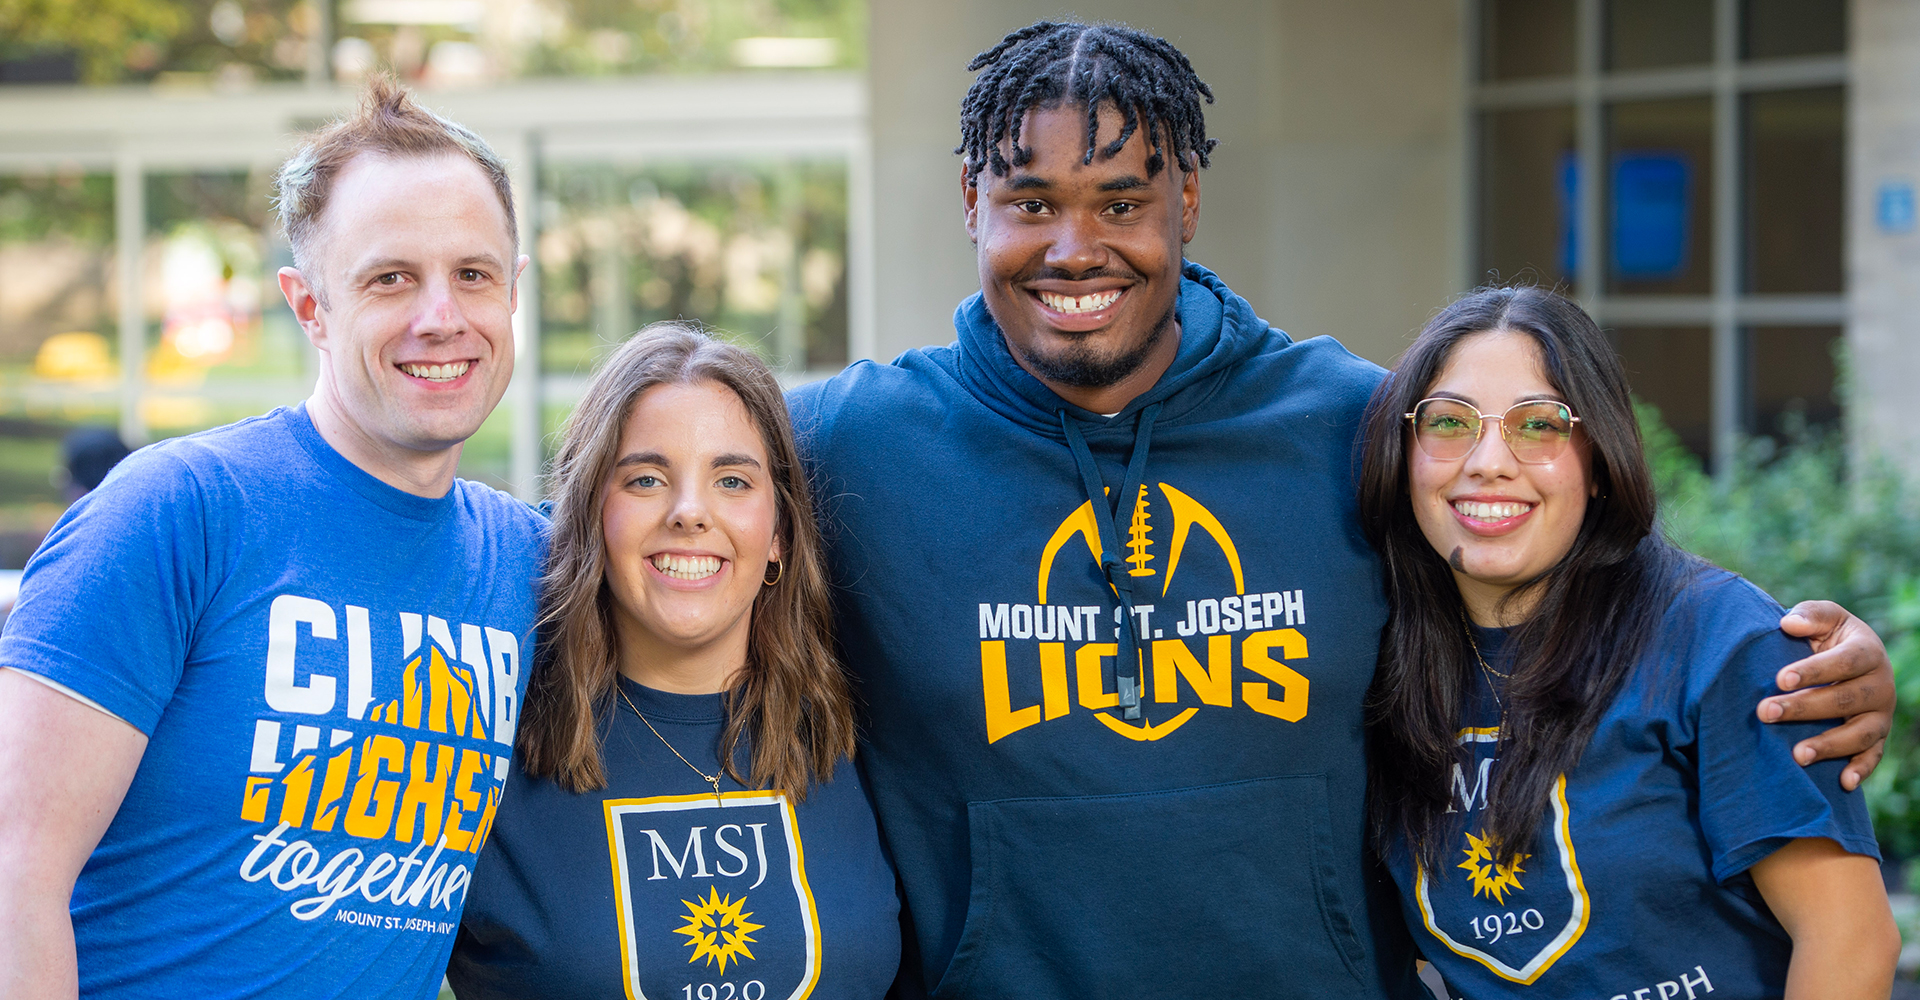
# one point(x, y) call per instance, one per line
point(792, 698)
point(1591, 612)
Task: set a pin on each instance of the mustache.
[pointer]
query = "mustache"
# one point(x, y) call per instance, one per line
point(1044, 273)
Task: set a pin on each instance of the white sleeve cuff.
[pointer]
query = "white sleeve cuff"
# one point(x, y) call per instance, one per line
point(69, 692)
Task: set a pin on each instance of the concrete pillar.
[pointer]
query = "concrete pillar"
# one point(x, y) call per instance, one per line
point(1883, 239)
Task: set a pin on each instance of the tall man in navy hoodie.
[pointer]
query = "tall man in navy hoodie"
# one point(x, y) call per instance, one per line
point(1103, 584)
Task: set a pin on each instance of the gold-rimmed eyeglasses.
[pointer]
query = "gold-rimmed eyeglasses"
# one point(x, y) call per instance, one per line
point(1536, 430)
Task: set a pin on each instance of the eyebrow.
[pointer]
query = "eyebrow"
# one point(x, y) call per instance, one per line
point(655, 458)
point(643, 458)
point(1549, 395)
point(480, 258)
point(1128, 183)
point(1029, 182)
point(385, 264)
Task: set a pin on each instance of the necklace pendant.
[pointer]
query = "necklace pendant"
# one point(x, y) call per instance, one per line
point(717, 802)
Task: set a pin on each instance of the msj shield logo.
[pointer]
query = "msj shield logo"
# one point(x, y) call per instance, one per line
point(720, 885)
point(1518, 916)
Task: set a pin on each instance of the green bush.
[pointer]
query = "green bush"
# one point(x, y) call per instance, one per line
point(1805, 520)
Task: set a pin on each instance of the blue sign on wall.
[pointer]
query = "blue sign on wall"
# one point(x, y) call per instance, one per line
point(1893, 209)
point(1652, 192)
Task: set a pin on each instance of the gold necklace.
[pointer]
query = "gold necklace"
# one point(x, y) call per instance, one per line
point(711, 779)
point(1486, 671)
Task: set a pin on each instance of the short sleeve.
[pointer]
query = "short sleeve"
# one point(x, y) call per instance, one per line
point(107, 605)
point(1753, 796)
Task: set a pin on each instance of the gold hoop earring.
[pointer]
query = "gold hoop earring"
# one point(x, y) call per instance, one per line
point(779, 570)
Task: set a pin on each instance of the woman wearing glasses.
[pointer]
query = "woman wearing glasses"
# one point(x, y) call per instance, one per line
point(1568, 779)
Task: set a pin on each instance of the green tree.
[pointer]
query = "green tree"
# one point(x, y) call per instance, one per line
point(102, 33)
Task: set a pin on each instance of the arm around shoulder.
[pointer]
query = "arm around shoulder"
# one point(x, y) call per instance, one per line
point(64, 768)
point(1834, 905)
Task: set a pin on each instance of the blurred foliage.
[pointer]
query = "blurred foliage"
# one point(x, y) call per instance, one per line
point(234, 41)
point(38, 206)
point(637, 36)
point(1795, 517)
point(1805, 519)
point(238, 42)
point(1893, 792)
point(119, 41)
point(752, 248)
point(103, 33)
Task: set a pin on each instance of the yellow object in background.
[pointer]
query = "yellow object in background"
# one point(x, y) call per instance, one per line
point(77, 356)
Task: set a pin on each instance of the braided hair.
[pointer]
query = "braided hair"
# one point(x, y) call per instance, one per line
point(1049, 63)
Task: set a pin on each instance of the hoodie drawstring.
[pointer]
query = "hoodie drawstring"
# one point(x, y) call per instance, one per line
point(1127, 688)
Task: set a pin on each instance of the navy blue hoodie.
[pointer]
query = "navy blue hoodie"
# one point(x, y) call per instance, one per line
point(1050, 842)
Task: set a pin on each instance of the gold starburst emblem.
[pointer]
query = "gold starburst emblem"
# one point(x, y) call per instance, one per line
point(1490, 879)
point(717, 930)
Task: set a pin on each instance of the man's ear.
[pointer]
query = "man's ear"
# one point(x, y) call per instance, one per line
point(513, 292)
point(1189, 203)
point(970, 197)
point(304, 299)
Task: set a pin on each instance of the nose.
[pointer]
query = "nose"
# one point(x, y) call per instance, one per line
point(1490, 457)
point(1076, 246)
point(689, 513)
point(440, 313)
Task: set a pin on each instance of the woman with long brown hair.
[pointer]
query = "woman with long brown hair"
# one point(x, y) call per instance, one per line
point(684, 820)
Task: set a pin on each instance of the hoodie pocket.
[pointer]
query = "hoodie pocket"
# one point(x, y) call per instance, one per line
point(1220, 890)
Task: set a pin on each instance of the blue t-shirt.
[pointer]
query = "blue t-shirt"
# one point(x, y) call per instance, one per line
point(650, 888)
point(1636, 884)
point(328, 671)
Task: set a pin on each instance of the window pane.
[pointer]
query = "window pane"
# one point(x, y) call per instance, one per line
point(1795, 150)
point(1659, 196)
point(1775, 28)
point(1521, 38)
point(758, 250)
point(1644, 34)
point(59, 359)
point(1670, 368)
point(1791, 378)
point(221, 343)
point(1527, 199)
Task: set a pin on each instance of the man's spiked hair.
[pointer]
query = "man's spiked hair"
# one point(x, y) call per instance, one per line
point(1050, 63)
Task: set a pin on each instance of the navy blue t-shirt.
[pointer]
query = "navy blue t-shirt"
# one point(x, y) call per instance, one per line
point(649, 888)
point(1637, 884)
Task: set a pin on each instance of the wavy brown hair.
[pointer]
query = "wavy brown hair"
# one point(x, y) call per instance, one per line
point(791, 702)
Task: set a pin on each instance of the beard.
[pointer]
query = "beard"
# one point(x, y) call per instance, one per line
point(1081, 366)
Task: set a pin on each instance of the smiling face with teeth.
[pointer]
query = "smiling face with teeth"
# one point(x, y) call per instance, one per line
point(1498, 523)
point(690, 521)
point(1080, 262)
point(411, 307)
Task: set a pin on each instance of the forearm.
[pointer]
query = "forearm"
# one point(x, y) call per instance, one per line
point(1832, 966)
point(36, 941)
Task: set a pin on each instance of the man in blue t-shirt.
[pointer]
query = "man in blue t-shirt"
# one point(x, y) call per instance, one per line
point(1102, 581)
point(260, 687)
